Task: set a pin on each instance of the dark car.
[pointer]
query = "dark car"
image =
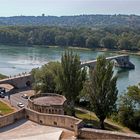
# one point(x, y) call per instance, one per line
point(88, 125)
point(2, 89)
point(2, 95)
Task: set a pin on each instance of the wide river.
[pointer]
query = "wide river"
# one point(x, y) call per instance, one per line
point(15, 60)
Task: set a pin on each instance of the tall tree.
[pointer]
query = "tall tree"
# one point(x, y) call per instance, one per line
point(103, 88)
point(71, 78)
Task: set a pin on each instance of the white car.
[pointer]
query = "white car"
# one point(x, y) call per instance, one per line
point(21, 105)
point(24, 96)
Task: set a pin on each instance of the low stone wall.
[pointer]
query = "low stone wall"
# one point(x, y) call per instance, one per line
point(90, 134)
point(11, 118)
point(63, 121)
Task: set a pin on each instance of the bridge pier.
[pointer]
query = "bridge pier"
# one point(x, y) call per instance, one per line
point(124, 62)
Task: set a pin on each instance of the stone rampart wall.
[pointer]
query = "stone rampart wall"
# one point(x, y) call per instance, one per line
point(64, 121)
point(11, 118)
point(90, 134)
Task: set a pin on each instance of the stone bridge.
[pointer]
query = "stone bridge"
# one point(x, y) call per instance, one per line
point(121, 61)
point(18, 81)
point(25, 79)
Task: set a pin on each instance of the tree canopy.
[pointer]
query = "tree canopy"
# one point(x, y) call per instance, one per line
point(71, 78)
point(45, 78)
point(129, 108)
point(103, 90)
point(111, 38)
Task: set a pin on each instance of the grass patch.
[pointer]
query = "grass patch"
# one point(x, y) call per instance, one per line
point(90, 118)
point(2, 76)
point(83, 115)
point(5, 109)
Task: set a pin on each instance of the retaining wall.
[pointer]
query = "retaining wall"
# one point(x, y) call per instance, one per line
point(64, 121)
point(11, 118)
point(56, 120)
point(90, 134)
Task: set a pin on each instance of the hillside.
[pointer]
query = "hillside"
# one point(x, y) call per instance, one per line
point(74, 21)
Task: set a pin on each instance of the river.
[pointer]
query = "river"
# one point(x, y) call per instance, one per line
point(15, 60)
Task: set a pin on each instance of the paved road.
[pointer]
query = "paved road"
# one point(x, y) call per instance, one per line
point(17, 97)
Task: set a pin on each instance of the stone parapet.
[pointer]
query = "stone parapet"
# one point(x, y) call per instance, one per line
point(90, 134)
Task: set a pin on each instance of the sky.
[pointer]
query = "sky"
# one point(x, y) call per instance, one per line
point(68, 7)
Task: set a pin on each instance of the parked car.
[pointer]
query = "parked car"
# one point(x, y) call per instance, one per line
point(21, 105)
point(88, 125)
point(2, 89)
point(24, 96)
point(2, 95)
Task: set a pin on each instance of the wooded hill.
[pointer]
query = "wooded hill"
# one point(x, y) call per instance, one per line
point(74, 21)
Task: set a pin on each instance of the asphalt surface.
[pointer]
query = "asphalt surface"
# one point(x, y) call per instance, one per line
point(16, 98)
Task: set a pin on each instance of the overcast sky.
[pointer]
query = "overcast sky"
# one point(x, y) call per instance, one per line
point(68, 7)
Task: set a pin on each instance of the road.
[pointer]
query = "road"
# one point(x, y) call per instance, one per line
point(17, 97)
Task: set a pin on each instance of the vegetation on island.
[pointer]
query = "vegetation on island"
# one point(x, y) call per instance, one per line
point(120, 38)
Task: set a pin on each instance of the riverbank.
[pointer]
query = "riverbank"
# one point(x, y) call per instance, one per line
point(80, 48)
point(100, 49)
point(119, 51)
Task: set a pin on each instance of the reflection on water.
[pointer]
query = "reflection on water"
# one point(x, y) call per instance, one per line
point(14, 60)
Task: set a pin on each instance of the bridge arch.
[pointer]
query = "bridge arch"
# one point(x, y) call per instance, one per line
point(28, 83)
point(122, 62)
point(19, 81)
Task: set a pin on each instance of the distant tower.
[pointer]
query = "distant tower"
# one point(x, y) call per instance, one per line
point(43, 15)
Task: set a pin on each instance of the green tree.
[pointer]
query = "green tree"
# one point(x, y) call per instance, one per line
point(134, 93)
point(126, 111)
point(138, 44)
point(92, 42)
point(103, 88)
point(129, 111)
point(108, 42)
point(45, 78)
point(71, 78)
point(125, 43)
point(60, 40)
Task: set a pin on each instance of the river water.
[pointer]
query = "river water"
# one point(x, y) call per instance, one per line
point(15, 60)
